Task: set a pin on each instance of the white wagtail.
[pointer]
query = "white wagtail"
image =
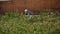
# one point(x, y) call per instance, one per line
point(29, 13)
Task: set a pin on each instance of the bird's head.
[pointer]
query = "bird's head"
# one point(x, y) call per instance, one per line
point(25, 10)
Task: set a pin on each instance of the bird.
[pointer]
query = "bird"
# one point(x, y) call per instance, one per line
point(29, 13)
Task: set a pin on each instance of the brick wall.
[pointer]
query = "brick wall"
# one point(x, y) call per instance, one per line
point(33, 5)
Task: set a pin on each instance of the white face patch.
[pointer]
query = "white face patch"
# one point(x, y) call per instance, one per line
point(25, 10)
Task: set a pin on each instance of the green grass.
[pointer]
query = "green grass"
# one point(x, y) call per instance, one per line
point(15, 23)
